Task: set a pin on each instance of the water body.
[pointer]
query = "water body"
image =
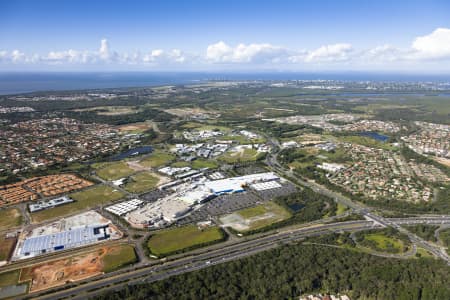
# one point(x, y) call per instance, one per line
point(132, 152)
point(296, 207)
point(16, 83)
point(375, 135)
point(24, 82)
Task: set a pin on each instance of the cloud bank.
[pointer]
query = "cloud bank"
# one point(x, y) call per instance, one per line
point(431, 48)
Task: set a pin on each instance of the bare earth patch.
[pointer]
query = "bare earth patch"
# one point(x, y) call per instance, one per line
point(141, 126)
point(59, 272)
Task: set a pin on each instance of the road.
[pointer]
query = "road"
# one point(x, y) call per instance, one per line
point(145, 273)
point(272, 161)
point(238, 249)
point(186, 264)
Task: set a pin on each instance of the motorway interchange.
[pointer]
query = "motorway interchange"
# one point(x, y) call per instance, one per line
point(210, 256)
point(236, 248)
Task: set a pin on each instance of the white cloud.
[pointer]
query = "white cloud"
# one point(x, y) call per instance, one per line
point(17, 56)
point(424, 50)
point(330, 53)
point(384, 53)
point(159, 56)
point(70, 56)
point(153, 56)
point(104, 49)
point(433, 45)
point(177, 55)
point(242, 53)
point(219, 52)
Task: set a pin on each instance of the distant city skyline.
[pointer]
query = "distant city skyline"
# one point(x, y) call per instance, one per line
point(319, 36)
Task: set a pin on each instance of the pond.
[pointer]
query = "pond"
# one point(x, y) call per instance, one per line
point(375, 136)
point(133, 152)
point(296, 207)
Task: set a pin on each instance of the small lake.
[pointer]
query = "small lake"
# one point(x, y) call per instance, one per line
point(296, 207)
point(133, 152)
point(375, 135)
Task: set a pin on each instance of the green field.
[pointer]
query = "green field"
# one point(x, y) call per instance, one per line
point(156, 159)
point(240, 156)
point(256, 217)
point(113, 170)
point(9, 278)
point(382, 242)
point(197, 164)
point(141, 182)
point(203, 163)
point(10, 217)
point(174, 240)
point(89, 198)
point(341, 209)
point(367, 141)
point(421, 252)
point(310, 157)
point(180, 164)
point(119, 257)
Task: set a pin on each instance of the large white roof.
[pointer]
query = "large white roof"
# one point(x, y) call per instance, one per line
point(237, 183)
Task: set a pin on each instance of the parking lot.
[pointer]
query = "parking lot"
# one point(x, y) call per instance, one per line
point(222, 205)
point(286, 189)
point(153, 195)
point(226, 204)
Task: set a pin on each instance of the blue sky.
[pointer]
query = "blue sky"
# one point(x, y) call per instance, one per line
point(225, 35)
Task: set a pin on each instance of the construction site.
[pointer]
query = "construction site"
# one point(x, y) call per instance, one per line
point(59, 272)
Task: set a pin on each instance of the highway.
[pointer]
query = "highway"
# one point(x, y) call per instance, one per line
point(236, 250)
point(367, 212)
point(145, 273)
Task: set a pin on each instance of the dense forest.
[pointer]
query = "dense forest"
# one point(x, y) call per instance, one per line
point(145, 114)
point(288, 271)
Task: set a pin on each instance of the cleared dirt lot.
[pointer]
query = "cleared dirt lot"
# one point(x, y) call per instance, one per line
point(135, 127)
point(59, 272)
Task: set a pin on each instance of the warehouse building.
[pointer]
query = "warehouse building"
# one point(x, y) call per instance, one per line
point(76, 237)
point(237, 184)
point(41, 205)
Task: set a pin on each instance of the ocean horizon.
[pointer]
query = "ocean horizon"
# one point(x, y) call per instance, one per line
point(27, 82)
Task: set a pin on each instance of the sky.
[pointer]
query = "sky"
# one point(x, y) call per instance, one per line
point(399, 36)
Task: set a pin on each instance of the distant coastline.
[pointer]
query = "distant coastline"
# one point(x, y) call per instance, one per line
point(26, 82)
